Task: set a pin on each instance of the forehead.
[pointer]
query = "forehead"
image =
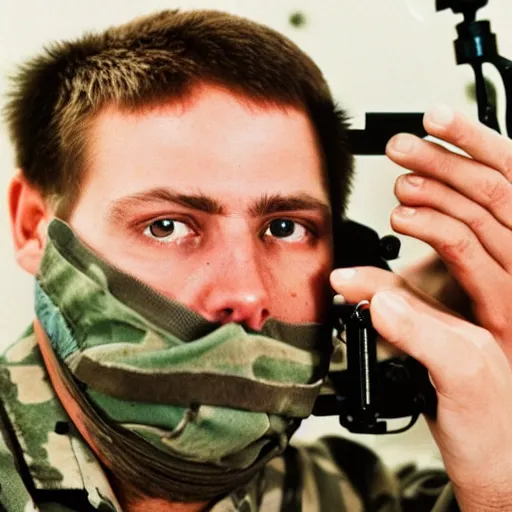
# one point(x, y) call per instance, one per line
point(214, 140)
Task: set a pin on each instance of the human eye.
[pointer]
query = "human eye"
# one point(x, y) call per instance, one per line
point(287, 230)
point(167, 231)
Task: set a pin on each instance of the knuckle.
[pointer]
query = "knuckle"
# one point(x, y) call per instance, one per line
point(495, 193)
point(477, 224)
point(505, 162)
point(456, 250)
point(459, 137)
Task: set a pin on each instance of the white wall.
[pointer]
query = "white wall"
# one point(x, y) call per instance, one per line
point(391, 55)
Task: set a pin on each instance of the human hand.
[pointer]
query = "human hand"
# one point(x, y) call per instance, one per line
point(472, 377)
point(462, 207)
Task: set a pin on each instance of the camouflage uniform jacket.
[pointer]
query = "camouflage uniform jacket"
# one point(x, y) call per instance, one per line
point(45, 465)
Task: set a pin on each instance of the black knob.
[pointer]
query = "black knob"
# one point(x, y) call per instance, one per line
point(389, 247)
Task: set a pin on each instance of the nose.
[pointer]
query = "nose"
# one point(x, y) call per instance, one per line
point(235, 288)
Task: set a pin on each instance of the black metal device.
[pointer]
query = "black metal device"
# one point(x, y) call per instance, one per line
point(369, 392)
point(361, 368)
point(476, 45)
point(380, 127)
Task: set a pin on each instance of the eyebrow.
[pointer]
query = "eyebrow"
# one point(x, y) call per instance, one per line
point(275, 203)
point(117, 209)
point(265, 205)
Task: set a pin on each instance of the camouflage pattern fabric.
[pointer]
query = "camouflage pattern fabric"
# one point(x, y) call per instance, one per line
point(146, 373)
point(45, 465)
point(46, 459)
point(190, 407)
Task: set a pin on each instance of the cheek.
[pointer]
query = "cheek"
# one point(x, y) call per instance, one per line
point(166, 272)
point(296, 280)
point(169, 276)
point(301, 291)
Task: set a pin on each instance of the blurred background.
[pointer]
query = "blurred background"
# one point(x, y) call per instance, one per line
point(378, 56)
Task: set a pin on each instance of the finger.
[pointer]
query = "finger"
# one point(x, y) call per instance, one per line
point(480, 276)
point(362, 283)
point(414, 190)
point(456, 356)
point(368, 283)
point(472, 380)
point(420, 327)
point(477, 140)
point(486, 186)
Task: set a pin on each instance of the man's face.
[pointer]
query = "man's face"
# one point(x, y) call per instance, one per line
point(216, 202)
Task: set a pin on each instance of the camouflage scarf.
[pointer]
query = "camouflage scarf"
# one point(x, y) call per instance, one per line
point(184, 408)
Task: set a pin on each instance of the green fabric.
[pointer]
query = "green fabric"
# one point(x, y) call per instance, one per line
point(32, 414)
point(40, 451)
point(146, 378)
point(62, 462)
point(13, 495)
point(186, 407)
point(307, 478)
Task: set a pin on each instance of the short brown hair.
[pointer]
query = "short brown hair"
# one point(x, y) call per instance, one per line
point(153, 59)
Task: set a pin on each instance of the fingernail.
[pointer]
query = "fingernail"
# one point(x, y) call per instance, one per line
point(414, 180)
point(389, 304)
point(340, 275)
point(441, 115)
point(404, 211)
point(338, 299)
point(402, 143)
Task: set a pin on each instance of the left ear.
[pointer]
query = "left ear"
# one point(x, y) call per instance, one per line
point(29, 215)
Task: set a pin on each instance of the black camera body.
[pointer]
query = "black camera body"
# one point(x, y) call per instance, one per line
point(369, 392)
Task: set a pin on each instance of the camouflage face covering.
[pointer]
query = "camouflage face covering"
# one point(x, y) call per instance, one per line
point(178, 404)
